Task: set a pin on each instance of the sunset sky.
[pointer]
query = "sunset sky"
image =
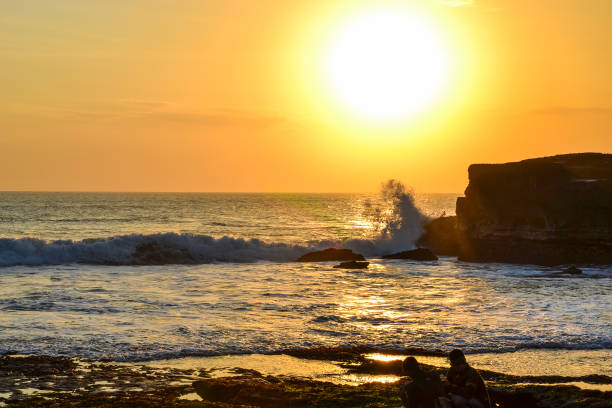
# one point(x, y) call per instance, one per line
point(241, 95)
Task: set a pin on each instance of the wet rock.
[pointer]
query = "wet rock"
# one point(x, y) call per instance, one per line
point(331, 254)
point(572, 270)
point(352, 265)
point(440, 235)
point(292, 392)
point(96, 384)
point(259, 393)
point(512, 398)
point(419, 254)
point(153, 253)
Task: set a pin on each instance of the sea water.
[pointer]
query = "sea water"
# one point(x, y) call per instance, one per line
point(70, 284)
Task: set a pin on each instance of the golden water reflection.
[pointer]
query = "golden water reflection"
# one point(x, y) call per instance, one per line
point(358, 379)
point(384, 357)
point(429, 360)
point(579, 384)
point(550, 362)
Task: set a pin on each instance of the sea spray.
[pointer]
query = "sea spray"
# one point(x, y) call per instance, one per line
point(396, 218)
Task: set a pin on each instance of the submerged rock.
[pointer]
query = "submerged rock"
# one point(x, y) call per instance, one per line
point(419, 254)
point(153, 253)
point(352, 265)
point(572, 270)
point(331, 254)
point(548, 211)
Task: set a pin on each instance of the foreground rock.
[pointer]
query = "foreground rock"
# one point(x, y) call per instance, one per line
point(352, 265)
point(274, 392)
point(419, 254)
point(66, 382)
point(331, 254)
point(548, 211)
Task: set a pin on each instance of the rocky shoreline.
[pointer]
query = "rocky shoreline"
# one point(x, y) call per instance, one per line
point(39, 381)
point(546, 211)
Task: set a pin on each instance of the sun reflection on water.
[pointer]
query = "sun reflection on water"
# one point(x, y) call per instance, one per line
point(358, 379)
point(429, 360)
point(384, 357)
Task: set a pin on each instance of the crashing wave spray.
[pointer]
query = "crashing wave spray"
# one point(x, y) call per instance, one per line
point(398, 220)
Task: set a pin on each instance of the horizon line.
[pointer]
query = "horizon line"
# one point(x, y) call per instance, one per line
point(207, 192)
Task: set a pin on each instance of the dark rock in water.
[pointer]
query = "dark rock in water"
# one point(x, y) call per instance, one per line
point(331, 254)
point(353, 265)
point(572, 270)
point(419, 254)
point(153, 253)
point(548, 211)
point(440, 235)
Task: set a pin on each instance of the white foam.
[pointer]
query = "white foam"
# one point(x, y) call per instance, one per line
point(397, 219)
point(123, 250)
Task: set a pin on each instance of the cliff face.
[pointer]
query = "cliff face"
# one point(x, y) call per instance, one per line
point(551, 210)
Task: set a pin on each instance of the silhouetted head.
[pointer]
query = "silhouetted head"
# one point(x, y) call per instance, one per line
point(411, 366)
point(457, 358)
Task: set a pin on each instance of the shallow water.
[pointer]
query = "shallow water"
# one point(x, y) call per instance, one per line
point(551, 362)
point(570, 363)
point(247, 297)
point(128, 313)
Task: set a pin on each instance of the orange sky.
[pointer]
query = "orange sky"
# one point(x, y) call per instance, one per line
point(226, 95)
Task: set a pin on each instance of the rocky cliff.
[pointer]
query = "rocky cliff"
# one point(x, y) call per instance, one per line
point(550, 210)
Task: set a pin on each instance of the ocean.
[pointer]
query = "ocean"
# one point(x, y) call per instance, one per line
point(217, 276)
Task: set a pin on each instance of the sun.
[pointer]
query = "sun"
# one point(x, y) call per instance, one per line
point(386, 64)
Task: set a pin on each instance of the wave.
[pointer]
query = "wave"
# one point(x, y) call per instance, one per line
point(163, 249)
point(139, 249)
point(397, 219)
point(126, 352)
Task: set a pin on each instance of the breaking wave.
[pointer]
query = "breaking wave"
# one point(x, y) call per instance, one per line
point(395, 217)
point(138, 249)
point(162, 249)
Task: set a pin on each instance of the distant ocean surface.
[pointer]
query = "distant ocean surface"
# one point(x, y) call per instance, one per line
point(74, 281)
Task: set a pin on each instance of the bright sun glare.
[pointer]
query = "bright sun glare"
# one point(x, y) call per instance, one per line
point(386, 64)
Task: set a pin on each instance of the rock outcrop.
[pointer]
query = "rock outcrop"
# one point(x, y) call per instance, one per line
point(153, 253)
point(352, 265)
point(572, 270)
point(331, 254)
point(548, 211)
point(440, 235)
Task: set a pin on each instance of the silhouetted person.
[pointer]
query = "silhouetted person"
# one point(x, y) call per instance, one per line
point(466, 387)
point(425, 388)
